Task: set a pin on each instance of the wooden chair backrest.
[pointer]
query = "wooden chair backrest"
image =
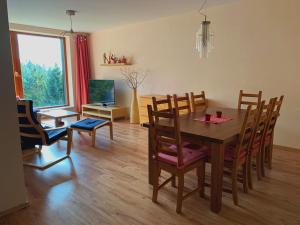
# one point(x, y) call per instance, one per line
point(162, 105)
point(29, 126)
point(246, 134)
point(182, 104)
point(165, 136)
point(264, 113)
point(249, 99)
point(198, 101)
point(274, 116)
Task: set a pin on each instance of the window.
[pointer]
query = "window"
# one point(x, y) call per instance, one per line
point(42, 68)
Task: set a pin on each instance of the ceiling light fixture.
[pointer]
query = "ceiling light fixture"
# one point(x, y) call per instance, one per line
point(204, 36)
point(70, 13)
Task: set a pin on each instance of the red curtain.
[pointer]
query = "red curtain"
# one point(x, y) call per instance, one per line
point(82, 70)
point(16, 64)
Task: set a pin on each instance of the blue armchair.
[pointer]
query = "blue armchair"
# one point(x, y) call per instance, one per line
point(32, 133)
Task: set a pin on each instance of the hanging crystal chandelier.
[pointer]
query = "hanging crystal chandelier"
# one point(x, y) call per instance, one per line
point(204, 37)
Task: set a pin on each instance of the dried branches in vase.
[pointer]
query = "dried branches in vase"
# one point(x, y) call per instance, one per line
point(133, 79)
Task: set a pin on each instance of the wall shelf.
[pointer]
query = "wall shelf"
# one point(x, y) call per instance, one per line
point(115, 64)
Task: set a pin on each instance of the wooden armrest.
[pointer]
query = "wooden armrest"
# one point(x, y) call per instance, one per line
point(56, 128)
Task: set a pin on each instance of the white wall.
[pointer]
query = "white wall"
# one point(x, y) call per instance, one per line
point(257, 47)
point(12, 186)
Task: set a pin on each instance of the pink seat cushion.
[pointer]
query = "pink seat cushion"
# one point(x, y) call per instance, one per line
point(268, 139)
point(256, 146)
point(191, 154)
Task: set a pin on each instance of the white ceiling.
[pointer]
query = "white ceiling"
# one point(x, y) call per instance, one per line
point(96, 15)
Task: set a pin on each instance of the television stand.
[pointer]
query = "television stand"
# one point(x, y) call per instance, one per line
point(102, 104)
point(107, 112)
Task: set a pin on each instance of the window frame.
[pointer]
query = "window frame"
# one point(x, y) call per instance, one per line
point(65, 63)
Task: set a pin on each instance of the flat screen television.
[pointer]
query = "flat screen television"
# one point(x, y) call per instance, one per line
point(102, 91)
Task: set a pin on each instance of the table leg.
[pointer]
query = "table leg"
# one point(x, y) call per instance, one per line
point(94, 138)
point(217, 163)
point(150, 160)
point(57, 122)
point(78, 118)
point(111, 133)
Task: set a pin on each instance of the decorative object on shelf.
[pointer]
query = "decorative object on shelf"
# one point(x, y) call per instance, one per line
point(105, 60)
point(124, 60)
point(204, 36)
point(112, 59)
point(133, 79)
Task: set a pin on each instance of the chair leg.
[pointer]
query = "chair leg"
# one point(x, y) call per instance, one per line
point(111, 131)
point(70, 140)
point(249, 173)
point(266, 154)
point(234, 186)
point(270, 153)
point(201, 179)
point(262, 161)
point(174, 180)
point(245, 177)
point(159, 172)
point(94, 138)
point(180, 192)
point(156, 173)
point(258, 165)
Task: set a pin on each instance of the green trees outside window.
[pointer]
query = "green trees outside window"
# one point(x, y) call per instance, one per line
point(43, 70)
point(45, 86)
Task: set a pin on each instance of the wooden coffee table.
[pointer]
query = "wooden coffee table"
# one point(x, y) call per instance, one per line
point(58, 115)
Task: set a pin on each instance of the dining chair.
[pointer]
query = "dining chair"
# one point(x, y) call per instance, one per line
point(267, 152)
point(235, 155)
point(249, 99)
point(172, 155)
point(182, 104)
point(162, 105)
point(257, 142)
point(198, 101)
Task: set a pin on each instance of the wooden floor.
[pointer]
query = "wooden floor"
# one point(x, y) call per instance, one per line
point(109, 185)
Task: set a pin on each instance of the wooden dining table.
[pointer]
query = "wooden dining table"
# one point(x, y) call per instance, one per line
point(215, 135)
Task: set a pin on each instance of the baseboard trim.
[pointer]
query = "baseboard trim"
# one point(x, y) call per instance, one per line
point(285, 148)
point(14, 209)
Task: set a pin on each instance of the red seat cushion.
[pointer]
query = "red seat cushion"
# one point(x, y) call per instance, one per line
point(191, 154)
